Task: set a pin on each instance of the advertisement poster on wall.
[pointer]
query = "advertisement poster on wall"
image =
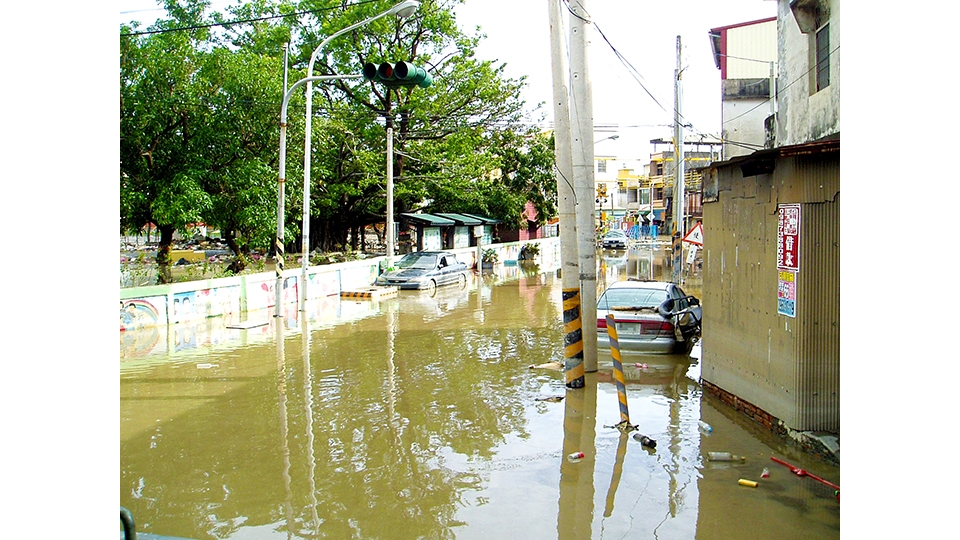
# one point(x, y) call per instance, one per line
point(788, 258)
point(787, 293)
point(788, 237)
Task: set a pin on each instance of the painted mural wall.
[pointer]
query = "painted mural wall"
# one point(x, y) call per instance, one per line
point(227, 299)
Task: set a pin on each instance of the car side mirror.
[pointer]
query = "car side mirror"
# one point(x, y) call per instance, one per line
point(694, 301)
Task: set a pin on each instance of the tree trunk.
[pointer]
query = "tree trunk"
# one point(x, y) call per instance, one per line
point(164, 273)
point(239, 259)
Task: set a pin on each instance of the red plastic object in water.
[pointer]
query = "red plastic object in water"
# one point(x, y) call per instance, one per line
point(800, 472)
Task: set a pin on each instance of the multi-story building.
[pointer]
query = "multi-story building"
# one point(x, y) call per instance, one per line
point(771, 270)
point(663, 171)
point(746, 56)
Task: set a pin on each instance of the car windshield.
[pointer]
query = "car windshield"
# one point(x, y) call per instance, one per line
point(616, 233)
point(630, 297)
point(417, 260)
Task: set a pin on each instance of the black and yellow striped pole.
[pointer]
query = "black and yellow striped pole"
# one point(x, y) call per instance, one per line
point(624, 424)
point(572, 339)
point(281, 187)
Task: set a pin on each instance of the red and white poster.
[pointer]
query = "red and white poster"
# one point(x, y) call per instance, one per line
point(788, 237)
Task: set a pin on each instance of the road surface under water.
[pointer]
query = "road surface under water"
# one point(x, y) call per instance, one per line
point(422, 417)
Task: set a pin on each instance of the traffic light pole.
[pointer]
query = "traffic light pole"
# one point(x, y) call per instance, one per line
point(400, 74)
point(388, 234)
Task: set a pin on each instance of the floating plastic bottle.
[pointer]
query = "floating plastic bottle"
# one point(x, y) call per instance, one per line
point(748, 483)
point(765, 473)
point(724, 456)
point(705, 427)
point(576, 456)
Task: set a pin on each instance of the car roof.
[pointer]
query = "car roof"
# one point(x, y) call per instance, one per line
point(430, 253)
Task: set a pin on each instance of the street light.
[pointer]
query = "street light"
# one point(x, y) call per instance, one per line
point(403, 9)
point(282, 177)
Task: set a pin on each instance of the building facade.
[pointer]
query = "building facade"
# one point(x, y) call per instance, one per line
point(746, 56)
point(771, 300)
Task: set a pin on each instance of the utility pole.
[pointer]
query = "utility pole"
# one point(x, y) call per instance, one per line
point(678, 187)
point(388, 233)
point(569, 260)
point(581, 121)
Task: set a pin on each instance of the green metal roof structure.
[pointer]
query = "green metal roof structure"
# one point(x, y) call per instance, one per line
point(461, 219)
point(429, 220)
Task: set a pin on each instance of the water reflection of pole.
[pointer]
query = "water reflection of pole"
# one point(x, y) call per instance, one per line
point(392, 369)
point(617, 471)
point(284, 446)
point(308, 412)
point(676, 438)
point(575, 518)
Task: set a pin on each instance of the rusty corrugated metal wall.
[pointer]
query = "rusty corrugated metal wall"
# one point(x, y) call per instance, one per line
point(818, 301)
point(787, 366)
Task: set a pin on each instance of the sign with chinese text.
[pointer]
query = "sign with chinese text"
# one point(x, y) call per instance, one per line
point(695, 236)
point(788, 236)
point(787, 293)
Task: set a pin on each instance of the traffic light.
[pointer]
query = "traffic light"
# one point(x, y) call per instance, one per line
point(399, 74)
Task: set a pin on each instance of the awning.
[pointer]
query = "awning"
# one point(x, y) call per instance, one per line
point(485, 220)
point(461, 219)
point(447, 219)
point(429, 220)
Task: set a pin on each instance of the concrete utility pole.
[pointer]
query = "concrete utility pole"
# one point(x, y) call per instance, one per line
point(388, 233)
point(569, 261)
point(678, 187)
point(581, 121)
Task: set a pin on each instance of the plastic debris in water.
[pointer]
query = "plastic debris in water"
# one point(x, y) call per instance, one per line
point(724, 456)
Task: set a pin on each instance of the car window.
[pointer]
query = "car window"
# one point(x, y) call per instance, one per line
point(631, 298)
point(414, 260)
point(681, 299)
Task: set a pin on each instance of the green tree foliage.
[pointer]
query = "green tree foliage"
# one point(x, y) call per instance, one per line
point(197, 134)
point(200, 111)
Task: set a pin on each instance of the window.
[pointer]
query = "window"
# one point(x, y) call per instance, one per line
point(602, 166)
point(823, 57)
point(813, 19)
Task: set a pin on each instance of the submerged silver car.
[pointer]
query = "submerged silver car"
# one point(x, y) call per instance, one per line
point(614, 239)
point(425, 270)
point(651, 317)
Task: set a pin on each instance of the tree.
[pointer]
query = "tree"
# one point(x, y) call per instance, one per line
point(199, 119)
point(445, 137)
point(197, 134)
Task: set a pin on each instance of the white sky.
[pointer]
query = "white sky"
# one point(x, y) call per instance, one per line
point(645, 33)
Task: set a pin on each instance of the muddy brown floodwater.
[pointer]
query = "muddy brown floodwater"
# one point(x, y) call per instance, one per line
point(421, 417)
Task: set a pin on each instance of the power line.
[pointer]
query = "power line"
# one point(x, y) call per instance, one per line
point(232, 23)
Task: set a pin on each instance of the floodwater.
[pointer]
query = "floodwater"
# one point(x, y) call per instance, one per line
point(421, 416)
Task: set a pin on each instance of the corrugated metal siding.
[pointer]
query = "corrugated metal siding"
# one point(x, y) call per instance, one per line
point(755, 42)
point(818, 296)
point(789, 367)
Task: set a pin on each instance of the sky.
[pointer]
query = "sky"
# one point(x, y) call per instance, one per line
point(644, 32)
